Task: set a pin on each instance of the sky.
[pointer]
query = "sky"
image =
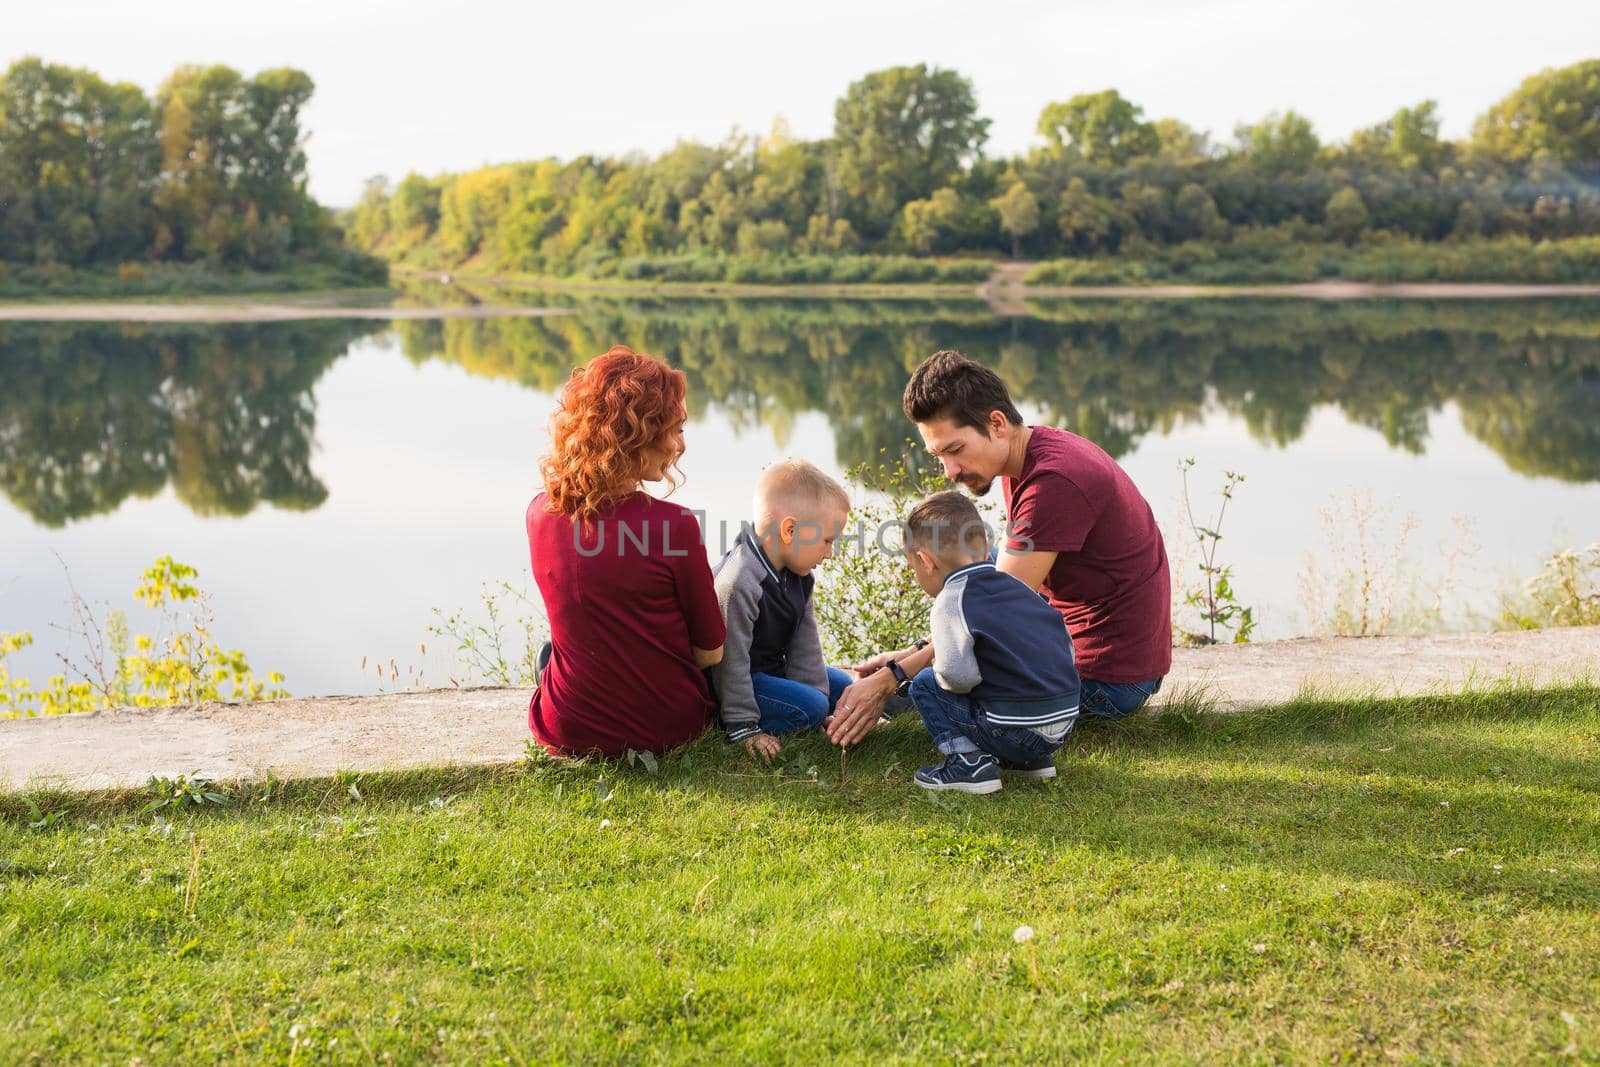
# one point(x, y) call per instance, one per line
point(451, 86)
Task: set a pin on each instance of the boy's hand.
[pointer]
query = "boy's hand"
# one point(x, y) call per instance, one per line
point(763, 745)
point(877, 663)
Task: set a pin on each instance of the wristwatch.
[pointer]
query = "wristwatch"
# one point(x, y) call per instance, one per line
point(902, 683)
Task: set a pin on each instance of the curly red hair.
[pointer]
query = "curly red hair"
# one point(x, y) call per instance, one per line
point(614, 419)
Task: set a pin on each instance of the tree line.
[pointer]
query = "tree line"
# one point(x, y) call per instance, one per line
point(905, 173)
point(210, 170)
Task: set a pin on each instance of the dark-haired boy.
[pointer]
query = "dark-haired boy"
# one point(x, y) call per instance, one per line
point(1002, 693)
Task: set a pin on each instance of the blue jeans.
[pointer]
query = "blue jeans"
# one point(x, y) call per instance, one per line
point(957, 723)
point(788, 707)
point(1113, 700)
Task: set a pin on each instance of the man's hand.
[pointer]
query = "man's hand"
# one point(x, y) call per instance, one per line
point(763, 745)
point(860, 706)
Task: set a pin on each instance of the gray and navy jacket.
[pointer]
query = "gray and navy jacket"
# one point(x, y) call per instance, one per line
point(1004, 645)
point(771, 630)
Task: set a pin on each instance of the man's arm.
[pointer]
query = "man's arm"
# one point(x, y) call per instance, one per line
point(1030, 568)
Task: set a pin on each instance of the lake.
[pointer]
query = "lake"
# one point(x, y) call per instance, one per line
point(336, 481)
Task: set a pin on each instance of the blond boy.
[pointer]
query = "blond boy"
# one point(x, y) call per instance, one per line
point(773, 679)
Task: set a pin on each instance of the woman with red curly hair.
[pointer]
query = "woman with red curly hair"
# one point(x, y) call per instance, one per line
point(633, 613)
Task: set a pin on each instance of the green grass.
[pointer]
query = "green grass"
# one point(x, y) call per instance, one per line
point(1266, 257)
point(1327, 880)
point(158, 281)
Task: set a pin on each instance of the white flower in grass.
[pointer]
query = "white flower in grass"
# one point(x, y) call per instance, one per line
point(1022, 934)
point(604, 823)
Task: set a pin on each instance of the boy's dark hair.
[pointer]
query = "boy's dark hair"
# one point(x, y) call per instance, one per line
point(948, 385)
point(948, 525)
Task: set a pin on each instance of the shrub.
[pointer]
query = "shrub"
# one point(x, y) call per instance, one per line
point(1565, 592)
point(180, 663)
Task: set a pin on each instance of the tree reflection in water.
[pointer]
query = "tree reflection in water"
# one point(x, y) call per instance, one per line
point(93, 414)
point(1525, 374)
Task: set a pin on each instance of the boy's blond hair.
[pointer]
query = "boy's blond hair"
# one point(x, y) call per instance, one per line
point(796, 487)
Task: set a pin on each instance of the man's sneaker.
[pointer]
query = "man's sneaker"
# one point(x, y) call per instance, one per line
point(965, 772)
point(1039, 770)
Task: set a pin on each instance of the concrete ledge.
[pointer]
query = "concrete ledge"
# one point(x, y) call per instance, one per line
point(318, 736)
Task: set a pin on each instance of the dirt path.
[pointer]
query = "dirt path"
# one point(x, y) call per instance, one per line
point(316, 737)
point(1327, 290)
point(201, 312)
point(1005, 291)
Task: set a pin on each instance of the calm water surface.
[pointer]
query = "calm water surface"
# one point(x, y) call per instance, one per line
point(337, 481)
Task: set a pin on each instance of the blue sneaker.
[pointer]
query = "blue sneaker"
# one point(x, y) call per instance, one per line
point(965, 772)
point(1038, 770)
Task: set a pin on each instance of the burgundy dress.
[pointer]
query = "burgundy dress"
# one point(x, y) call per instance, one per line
point(628, 597)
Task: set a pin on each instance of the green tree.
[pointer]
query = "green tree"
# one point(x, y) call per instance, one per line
point(1468, 220)
point(415, 203)
point(1179, 142)
point(923, 221)
point(233, 167)
point(1345, 214)
point(1019, 214)
point(1195, 215)
point(1280, 143)
point(1103, 127)
point(899, 135)
point(1415, 140)
point(1556, 111)
point(1085, 220)
point(77, 161)
point(1147, 209)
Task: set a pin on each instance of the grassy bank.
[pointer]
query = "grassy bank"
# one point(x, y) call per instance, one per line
point(1269, 259)
point(158, 280)
point(1325, 880)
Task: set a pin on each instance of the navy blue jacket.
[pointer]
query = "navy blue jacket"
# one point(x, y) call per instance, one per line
point(1003, 644)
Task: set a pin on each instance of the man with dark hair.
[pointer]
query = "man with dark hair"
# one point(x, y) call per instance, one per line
point(1078, 530)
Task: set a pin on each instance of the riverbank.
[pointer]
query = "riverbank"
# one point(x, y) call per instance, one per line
point(1006, 291)
point(227, 311)
point(318, 736)
point(185, 281)
point(1408, 879)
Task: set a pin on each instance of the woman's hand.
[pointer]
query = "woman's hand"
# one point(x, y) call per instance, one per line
point(861, 706)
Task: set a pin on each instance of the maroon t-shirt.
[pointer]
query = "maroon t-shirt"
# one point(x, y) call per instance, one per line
point(1110, 579)
point(628, 599)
